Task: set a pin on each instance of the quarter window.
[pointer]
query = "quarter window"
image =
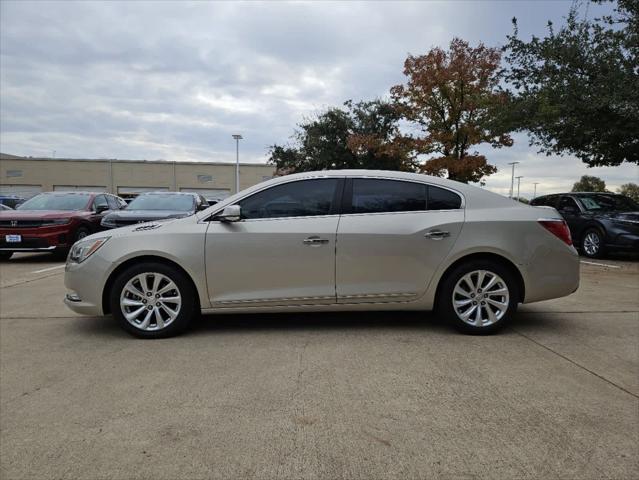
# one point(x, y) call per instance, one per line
point(305, 198)
point(442, 199)
point(376, 196)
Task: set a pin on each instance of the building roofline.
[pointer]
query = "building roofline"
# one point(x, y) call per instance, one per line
point(5, 156)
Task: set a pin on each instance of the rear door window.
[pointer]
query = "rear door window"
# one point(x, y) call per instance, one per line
point(380, 196)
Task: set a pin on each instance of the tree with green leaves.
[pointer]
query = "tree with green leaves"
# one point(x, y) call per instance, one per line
point(359, 135)
point(588, 183)
point(630, 190)
point(453, 99)
point(576, 90)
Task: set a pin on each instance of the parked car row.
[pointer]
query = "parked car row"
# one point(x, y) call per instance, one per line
point(598, 222)
point(53, 221)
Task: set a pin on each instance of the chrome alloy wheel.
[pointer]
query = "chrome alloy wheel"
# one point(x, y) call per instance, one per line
point(150, 301)
point(481, 298)
point(591, 243)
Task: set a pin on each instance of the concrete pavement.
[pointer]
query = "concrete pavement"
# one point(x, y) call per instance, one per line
point(379, 395)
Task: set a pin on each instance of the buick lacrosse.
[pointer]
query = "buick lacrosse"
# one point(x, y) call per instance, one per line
point(329, 241)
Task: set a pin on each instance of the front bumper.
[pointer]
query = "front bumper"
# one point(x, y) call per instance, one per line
point(624, 241)
point(85, 283)
point(40, 239)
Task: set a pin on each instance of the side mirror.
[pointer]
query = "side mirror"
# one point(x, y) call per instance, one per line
point(101, 208)
point(229, 214)
point(202, 206)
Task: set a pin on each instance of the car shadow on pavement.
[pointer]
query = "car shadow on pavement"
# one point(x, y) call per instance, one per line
point(29, 258)
point(322, 321)
point(319, 321)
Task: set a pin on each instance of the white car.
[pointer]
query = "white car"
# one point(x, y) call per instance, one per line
point(330, 241)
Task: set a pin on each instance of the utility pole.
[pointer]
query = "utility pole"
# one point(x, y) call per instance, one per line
point(512, 179)
point(535, 194)
point(237, 138)
point(518, 183)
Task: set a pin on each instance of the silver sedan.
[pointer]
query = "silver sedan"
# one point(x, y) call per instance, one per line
point(330, 241)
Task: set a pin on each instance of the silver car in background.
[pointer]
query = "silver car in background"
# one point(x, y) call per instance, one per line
point(330, 241)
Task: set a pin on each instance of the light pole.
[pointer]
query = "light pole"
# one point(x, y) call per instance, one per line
point(535, 194)
point(518, 183)
point(237, 138)
point(512, 179)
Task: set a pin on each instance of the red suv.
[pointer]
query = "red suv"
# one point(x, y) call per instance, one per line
point(52, 222)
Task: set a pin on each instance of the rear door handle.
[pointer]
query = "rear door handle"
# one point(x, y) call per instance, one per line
point(437, 234)
point(315, 241)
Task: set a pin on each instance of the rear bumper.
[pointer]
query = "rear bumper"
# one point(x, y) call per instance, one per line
point(552, 273)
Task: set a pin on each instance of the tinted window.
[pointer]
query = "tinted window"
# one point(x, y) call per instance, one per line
point(163, 201)
point(567, 202)
point(602, 202)
point(100, 201)
point(442, 199)
point(113, 202)
point(374, 196)
point(68, 201)
point(296, 199)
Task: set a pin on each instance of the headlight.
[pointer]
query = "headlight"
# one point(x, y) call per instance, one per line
point(83, 249)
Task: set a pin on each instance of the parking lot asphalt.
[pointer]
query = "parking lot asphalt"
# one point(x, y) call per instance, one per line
point(366, 395)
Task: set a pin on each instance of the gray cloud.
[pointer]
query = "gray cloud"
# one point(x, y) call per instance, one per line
point(174, 80)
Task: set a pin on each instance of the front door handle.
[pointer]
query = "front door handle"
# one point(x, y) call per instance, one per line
point(437, 234)
point(315, 241)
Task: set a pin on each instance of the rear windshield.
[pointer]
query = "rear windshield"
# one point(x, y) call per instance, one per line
point(71, 201)
point(180, 203)
point(602, 202)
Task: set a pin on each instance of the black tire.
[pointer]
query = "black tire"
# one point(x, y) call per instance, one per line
point(189, 307)
point(80, 233)
point(592, 243)
point(447, 310)
point(4, 256)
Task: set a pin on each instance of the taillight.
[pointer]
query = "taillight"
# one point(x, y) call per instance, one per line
point(559, 229)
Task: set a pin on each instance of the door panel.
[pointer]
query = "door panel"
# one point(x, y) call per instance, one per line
point(386, 257)
point(283, 261)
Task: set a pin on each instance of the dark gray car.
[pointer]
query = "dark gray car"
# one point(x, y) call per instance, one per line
point(156, 206)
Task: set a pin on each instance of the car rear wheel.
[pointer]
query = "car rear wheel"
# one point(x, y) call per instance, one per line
point(5, 255)
point(153, 300)
point(592, 243)
point(479, 297)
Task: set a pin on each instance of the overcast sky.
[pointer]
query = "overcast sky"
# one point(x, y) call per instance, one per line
point(174, 80)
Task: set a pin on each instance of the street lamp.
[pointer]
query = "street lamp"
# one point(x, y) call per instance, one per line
point(518, 182)
point(535, 194)
point(512, 179)
point(237, 138)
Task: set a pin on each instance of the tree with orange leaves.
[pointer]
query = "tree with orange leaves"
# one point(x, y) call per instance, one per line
point(454, 99)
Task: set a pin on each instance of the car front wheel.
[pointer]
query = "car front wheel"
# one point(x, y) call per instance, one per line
point(592, 243)
point(479, 297)
point(153, 300)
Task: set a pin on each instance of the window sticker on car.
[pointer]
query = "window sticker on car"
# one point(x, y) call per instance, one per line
point(589, 203)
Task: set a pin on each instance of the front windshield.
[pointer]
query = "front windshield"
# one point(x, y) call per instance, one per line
point(69, 201)
point(602, 202)
point(180, 203)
